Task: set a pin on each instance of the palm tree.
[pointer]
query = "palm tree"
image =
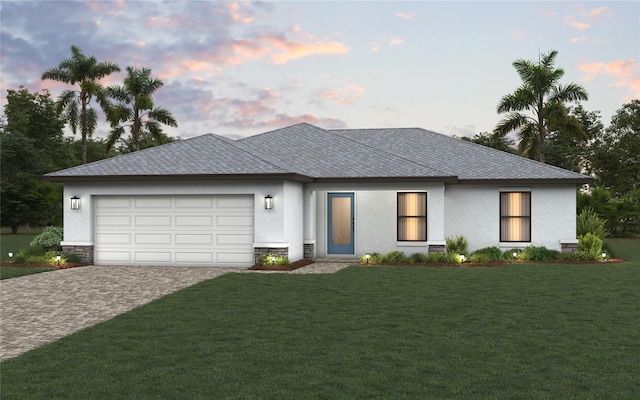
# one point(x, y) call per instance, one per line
point(135, 108)
point(76, 104)
point(542, 95)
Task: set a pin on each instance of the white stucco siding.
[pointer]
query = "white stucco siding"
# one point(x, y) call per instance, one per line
point(293, 220)
point(474, 211)
point(376, 216)
point(268, 224)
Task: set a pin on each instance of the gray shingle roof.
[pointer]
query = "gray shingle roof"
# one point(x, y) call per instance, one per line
point(304, 151)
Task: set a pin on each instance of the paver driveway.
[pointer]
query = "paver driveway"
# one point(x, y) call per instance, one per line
point(40, 308)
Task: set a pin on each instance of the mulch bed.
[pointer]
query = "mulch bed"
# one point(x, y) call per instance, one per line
point(498, 263)
point(43, 265)
point(289, 267)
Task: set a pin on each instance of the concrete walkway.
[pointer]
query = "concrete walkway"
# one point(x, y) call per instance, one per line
point(40, 308)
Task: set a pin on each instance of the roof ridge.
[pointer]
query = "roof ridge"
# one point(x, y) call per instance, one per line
point(390, 153)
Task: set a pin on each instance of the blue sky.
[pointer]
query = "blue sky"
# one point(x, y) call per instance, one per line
point(241, 68)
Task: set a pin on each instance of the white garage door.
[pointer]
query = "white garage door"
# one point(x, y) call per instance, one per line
point(174, 230)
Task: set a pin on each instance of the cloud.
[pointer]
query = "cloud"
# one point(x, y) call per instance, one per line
point(626, 73)
point(405, 15)
point(578, 39)
point(374, 46)
point(291, 50)
point(518, 35)
point(579, 25)
point(346, 95)
point(395, 42)
point(595, 12)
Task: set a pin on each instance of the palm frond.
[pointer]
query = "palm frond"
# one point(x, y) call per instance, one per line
point(163, 116)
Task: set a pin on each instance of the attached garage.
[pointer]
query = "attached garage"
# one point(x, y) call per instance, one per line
point(196, 230)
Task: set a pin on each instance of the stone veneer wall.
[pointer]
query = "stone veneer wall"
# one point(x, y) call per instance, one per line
point(309, 251)
point(278, 251)
point(84, 252)
point(568, 247)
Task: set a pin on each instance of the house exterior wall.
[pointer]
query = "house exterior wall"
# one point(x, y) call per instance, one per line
point(474, 211)
point(376, 216)
point(280, 227)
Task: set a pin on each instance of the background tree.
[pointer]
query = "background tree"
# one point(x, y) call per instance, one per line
point(31, 142)
point(495, 142)
point(615, 158)
point(543, 97)
point(135, 108)
point(129, 146)
point(85, 72)
point(565, 151)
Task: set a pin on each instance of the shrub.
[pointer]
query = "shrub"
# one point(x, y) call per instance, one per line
point(272, 259)
point(394, 256)
point(454, 258)
point(538, 253)
point(589, 247)
point(508, 255)
point(481, 257)
point(72, 258)
point(50, 257)
point(588, 221)
point(28, 253)
point(436, 258)
point(457, 244)
point(374, 258)
point(418, 258)
point(488, 254)
point(49, 239)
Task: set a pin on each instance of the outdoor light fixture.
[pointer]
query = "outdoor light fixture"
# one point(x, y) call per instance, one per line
point(462, 257)
point(10, 256)
point(367, 257)
point(273, 259)
point(604, 255)
point(58, 259)
point(515, 255)
point(268, 202)
point(75, 203)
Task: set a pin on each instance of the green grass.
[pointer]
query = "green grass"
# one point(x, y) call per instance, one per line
point(15, 243)
point(511, 332)
point(13, 272)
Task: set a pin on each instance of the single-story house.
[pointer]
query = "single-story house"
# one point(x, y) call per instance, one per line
point(306, 192)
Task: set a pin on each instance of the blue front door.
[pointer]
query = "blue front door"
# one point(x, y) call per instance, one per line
point(340, 223)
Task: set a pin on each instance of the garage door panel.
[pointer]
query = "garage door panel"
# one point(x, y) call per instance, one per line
point(194, 202)
point(174, 230)
point(113, 220)
point(147, 238)
point(234, 239)
point(194, 220)
point(112, 256)
point(153, 220)
point(114, 238)
point(194, 257)
point(194, 239)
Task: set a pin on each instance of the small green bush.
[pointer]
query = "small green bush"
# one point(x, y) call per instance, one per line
point(395, 256)
point(49, 239)
point(589, 247)
point(588, 221)
point(374, 258)
point(538, 253)
point(72, 258)
point(28, 253)
point(272, 259)
point(454, 258)
point(436, 258)
point(508, 254)
point(481, 257)
point(457, 244)
point(489, 254)
point(50, 257)
point(418, 258)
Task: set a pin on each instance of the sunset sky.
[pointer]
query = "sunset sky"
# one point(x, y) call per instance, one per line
point(241, 68)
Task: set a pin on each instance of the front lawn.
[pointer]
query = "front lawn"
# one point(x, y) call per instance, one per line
point(13, 272)
point(517, 331)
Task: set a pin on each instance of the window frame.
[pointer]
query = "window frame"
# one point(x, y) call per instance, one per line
point(404, 217)
point(509, 217)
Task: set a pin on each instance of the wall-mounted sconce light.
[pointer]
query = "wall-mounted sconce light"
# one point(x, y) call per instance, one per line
point(75, 203)
point(268, 202)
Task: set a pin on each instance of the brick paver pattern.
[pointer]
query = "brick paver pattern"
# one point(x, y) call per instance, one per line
point(40, 308)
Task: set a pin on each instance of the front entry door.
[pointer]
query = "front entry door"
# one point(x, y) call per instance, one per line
point(340, 223)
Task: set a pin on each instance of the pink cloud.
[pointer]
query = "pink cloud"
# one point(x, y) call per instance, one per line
point(579, 25)
point(579, 39)
point(374, 46)
point(395, 42)
point(405, 15)
point(346, 95)
point(595, 12)
point(290, 50)
point(625, 72)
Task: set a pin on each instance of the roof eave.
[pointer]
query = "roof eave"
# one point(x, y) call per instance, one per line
point(128, 178)
point(445, 179)
point(577, 181)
